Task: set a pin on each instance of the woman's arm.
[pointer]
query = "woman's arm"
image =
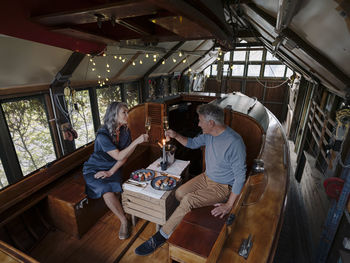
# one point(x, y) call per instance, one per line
point(125, 153)
point(110, 172)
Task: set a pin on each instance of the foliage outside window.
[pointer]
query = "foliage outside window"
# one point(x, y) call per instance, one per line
point(275, 71)
point(132, 94)
point(3, 179)
point(253, 70)
point(106, 96)
point(81, 118)
point(28, 125)
point(237, 70)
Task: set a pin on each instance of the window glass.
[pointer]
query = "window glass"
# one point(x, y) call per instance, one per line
point(276, 71)
point(237, 70)
point(289, 72)
point(227, 56)
point(253, 70)
point(132, 94)
point(214, 70)
point(270, 57)
point(255, 55)
point(106, 96)
point(239, 55)
point(3, 179)
point(225, 70)
point(28, 125)
point(81, 118)
point(207, 72)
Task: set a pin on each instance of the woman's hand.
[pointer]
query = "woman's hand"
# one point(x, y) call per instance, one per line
point(102, 175)
point(142, 138)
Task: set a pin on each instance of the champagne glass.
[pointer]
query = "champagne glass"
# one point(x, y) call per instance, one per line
point(148, 124)
point(165, 123)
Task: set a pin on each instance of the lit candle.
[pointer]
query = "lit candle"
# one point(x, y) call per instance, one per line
point(164, 151)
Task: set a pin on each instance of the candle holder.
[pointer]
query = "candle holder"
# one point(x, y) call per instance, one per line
point(164, 165)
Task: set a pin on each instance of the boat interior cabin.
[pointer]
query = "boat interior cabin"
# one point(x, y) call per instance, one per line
point(279, 70)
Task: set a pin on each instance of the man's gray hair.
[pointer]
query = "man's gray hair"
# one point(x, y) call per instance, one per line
point(211, 112)
point(110, 121)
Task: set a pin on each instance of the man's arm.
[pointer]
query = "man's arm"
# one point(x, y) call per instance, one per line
point(223, 209)
point(173, 134)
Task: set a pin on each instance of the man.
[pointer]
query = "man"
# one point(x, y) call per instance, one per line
point(220, 184)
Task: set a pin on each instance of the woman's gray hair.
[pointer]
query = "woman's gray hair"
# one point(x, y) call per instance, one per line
point(109, 120)
point(211, 112)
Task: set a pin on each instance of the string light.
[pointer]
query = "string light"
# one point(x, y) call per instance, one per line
point(115, 57)
point(99, 76)
point(231, 66)
point(140, 61)
point(184, 61)
point(174, 60)
point(207, 75)
point(218, 59)
point(133, 63)
point(108, 70)
point(154, 56)
point(147, 55)
point(163, 62)
point(93, 69)
point(88, 55)
point(120, 57)
point(180, 54)
point(91, 60)
point(123, 60)
point(189, 69)
point(104, 54)
point(154, 59)
point(93, 63)
point(107, 65)
point(107, 79)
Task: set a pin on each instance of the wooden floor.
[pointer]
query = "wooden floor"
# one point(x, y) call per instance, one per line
point(294, 242)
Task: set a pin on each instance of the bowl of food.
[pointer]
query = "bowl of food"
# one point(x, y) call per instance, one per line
point(164, 183)
point(142, 175)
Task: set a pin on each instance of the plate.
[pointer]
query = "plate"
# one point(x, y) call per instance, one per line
point(142, 175)
point(164, 183)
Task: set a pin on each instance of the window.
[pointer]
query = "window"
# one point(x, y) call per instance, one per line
point(207, 72)
point(132, 94)
point(28, 125)
point(239, 55)
point(289, 72)
point(225, 70)
point(106, 96)
point(253, 70)
point(227, 56)
point(276, 71)
point(270, 57)
point(255, 55)
point(214, 70)
point(237, 70)
point(3, 179)
point(81, 118)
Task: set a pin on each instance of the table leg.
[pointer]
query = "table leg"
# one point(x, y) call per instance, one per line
point(133, 220)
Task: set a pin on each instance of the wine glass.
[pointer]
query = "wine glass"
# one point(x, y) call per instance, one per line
point(148, 124)
point(165, 123)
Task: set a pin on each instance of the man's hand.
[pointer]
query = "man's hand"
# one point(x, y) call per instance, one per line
point(102, 175)
point(170, 133)
point(221, 209)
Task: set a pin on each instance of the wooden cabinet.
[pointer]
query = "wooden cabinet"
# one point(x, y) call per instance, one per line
point(71, 211)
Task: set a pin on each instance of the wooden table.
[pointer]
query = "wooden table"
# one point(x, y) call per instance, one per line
point(156, 210)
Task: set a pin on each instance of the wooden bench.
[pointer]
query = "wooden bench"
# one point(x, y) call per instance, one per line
point(69, 207)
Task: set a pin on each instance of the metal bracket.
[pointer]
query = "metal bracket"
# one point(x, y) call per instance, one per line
point(245, 247)
point(80, 205)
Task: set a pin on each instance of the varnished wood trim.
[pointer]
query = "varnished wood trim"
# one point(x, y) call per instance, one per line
point(15, 253)
point(12, 92)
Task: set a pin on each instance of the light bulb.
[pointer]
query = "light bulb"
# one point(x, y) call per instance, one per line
point(108, 70)
point(146, 55)
point(184, 61)
point(93, 69)
point(91, 60)
point(154, 59)
point(141, 62)
point(99, 76)
point(133, 63)
point(104, 54)
point(123, 60)
point(107, 79)
point(107, 65)
point(120, 57)
point(163, 62)
point(115, 57)
point(174, 60)
point(180, 54)
point(93, 63)
point(190, 70)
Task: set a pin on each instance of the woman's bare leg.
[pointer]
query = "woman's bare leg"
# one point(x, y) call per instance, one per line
point(113, 203)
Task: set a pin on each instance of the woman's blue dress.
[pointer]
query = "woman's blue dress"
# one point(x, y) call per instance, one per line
point(100, 160)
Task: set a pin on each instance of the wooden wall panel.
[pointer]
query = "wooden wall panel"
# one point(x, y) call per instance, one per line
point(254, 89)
point(275, 94)
point(233, 85)
point(276, 109)
point(212, 85)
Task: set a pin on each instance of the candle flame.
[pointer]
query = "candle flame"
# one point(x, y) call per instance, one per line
point(160, 144)
point(163, 141)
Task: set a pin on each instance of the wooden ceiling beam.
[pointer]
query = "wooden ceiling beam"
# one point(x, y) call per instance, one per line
point(117, 10)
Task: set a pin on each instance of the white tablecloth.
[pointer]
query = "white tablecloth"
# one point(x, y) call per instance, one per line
point(175, 170)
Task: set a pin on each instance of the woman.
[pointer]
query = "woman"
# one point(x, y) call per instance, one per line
point(102, 172)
